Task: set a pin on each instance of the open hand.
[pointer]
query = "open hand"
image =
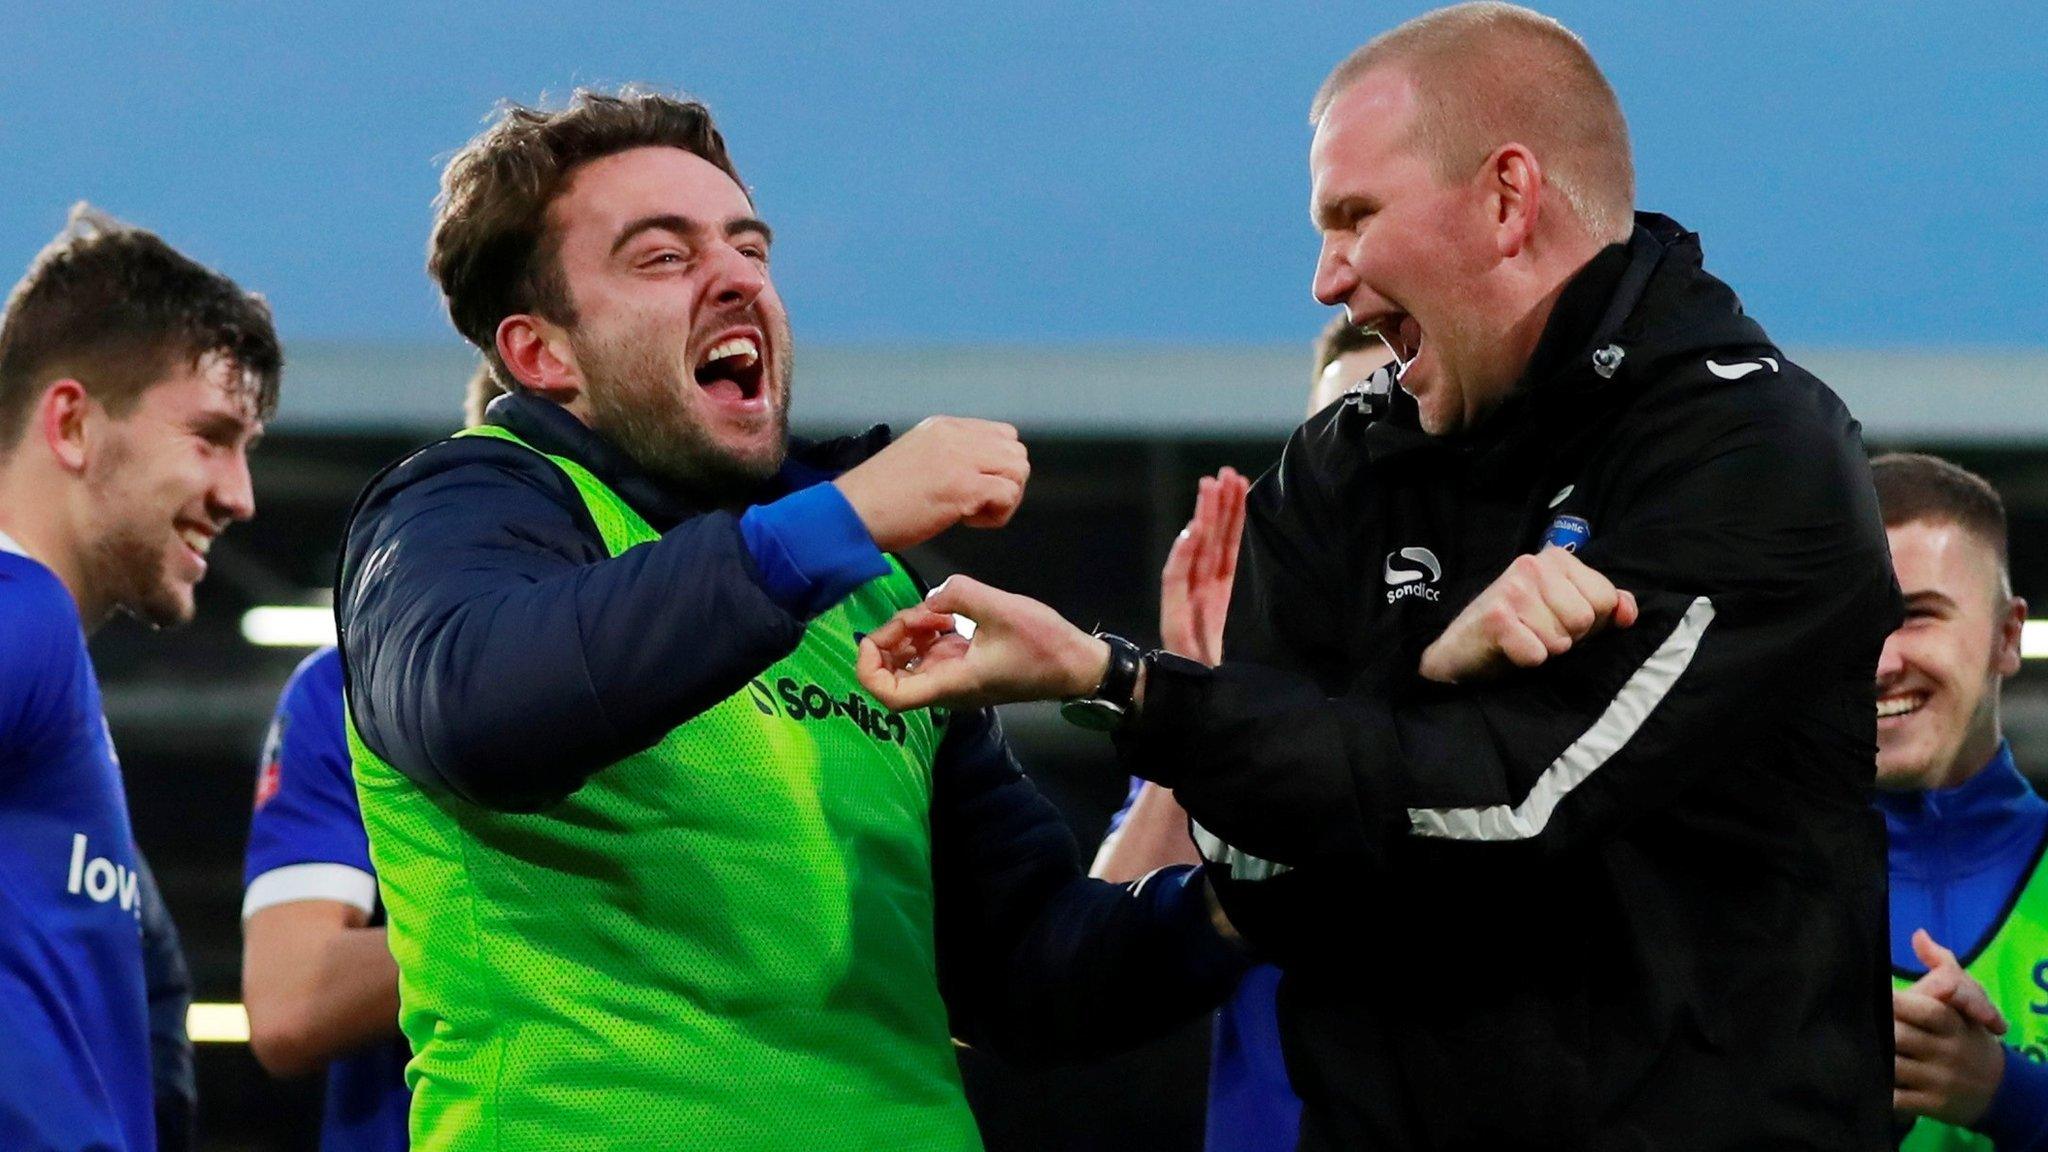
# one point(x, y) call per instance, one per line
point(1542, 605)
point(1194, 589)
point(1019, 650)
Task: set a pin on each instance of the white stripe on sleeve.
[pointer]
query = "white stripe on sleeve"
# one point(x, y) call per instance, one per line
point(1243, 865)
point(1613, 730)
point(351, 886)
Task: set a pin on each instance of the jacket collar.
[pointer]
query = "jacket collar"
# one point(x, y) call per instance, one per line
point(551, 429)
point(1599, 336)
point(1966, 828)
point(1584, 309)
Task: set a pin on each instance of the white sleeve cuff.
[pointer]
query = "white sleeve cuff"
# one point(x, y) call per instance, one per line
point(341, 882)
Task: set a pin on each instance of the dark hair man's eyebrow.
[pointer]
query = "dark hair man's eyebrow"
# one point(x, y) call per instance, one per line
point(1929, 598)
point(751, 224)
point(680, 225)
point(227, 426)
point(684, 226)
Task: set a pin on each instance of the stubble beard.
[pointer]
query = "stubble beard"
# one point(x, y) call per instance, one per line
point(639, 403)
point(124, 561)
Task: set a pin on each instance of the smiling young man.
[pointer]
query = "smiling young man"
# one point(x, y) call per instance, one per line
point(1540, 763)
point(1966, 829)
point(657, 871)
point(132, 383)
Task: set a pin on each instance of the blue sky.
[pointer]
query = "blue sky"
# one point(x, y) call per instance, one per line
point(1043, 174)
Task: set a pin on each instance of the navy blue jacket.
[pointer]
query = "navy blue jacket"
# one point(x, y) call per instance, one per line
point(169, 983)
point(494, 649)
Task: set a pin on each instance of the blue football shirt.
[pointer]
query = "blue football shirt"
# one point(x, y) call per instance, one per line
point(74, 1025)
point(306, 842)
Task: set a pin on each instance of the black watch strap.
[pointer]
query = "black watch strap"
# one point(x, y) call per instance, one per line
point(1105, 708)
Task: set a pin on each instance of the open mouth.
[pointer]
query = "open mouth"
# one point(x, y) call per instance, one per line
point(197, 539)
point(1399, 332)
point(732, 368)
point(1904, 704)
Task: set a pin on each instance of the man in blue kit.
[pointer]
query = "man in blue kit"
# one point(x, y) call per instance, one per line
point(132, 382)
point(1966, 830)
point(317, 973)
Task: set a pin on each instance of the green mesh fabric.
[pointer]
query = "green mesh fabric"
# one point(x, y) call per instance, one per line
point(2011, 968)
point(724, 942)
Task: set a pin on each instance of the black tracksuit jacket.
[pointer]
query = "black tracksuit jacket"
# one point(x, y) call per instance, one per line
point(1631, 899)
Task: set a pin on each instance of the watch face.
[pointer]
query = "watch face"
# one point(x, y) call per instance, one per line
point(1092, 714)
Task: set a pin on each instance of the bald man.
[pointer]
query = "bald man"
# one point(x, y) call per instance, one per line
point(1541, 759)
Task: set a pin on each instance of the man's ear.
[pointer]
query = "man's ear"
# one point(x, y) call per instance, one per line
point(1514, 190)
point(2009, 630)
point(536, 352)
point(62, 416)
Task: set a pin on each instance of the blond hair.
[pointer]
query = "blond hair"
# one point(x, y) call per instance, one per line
point(1488, 74)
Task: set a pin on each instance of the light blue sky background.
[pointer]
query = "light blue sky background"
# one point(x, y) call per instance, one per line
point(1866, 174)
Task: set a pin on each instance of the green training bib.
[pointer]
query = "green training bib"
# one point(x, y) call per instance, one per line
point(721, 943)
point(2013, 968)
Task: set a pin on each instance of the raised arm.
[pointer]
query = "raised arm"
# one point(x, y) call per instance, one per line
point(496, 649)
point(1194, 597)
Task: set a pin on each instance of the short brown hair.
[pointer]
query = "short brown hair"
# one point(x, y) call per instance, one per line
point(490, 251)
point(116, 309)
point(1489, 73)
point(1340, 338)
point(477, 396)
point(1912, 487)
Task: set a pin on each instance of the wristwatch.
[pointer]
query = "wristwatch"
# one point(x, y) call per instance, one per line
point(1105, 708)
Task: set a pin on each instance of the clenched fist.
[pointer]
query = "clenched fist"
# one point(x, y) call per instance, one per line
point(1947, 1060)
point(1541, 606)
point(948, 470)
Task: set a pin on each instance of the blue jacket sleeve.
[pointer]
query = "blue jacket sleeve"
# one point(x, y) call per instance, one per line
point(811, 549)
point(1037, 962)
point(492, 648)
point(2017, 1120)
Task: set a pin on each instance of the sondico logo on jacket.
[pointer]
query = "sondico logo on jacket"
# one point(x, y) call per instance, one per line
point(1411, 572)
point(100, 879)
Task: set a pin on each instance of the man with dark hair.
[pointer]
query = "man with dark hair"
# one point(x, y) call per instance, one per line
point(132, 382)
point(1967, 831)
point(1346, 358)
point(656, 870)
point(1541, 760)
